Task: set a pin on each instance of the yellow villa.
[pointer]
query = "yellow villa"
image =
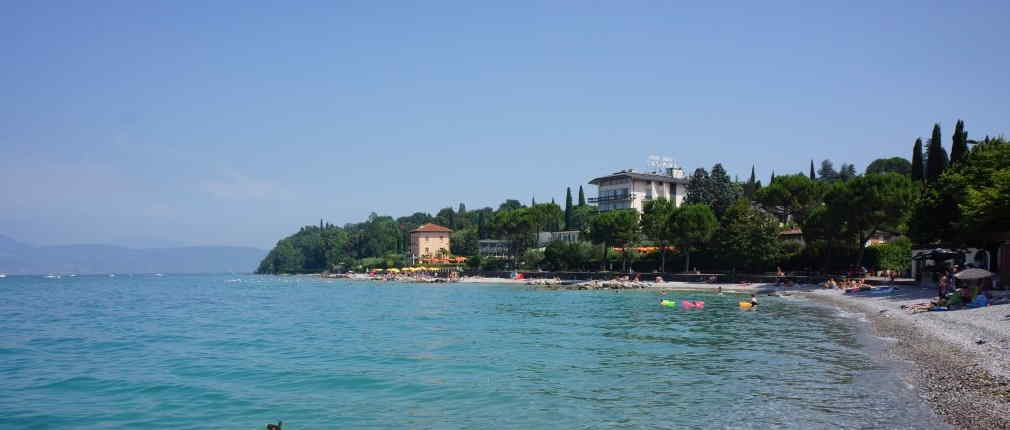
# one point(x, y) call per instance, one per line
point(429, 240)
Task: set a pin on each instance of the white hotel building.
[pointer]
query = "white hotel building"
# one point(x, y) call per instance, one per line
point(631, 189)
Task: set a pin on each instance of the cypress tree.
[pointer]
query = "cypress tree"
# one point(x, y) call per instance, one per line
point(960, 147)
point(534, 201)
point(813, 177)
point(751, 186)
point(480, 226)
point(582, 197)
point(772, 180)
point(568, 209)
point(936, 160)
point(917, 168)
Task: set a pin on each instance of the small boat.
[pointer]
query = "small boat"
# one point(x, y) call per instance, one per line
point(746, 305)
point(668, 303)
point(52, 276)
point(3, 275)
point(689, 304)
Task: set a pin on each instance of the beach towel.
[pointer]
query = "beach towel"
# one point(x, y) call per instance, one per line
point(980, 301)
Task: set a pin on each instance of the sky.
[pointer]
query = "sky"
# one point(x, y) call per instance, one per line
point(150, 124)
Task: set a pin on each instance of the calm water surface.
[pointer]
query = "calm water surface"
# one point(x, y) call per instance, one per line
point(237, 352)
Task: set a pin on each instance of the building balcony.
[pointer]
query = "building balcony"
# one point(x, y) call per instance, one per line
point(611, 198)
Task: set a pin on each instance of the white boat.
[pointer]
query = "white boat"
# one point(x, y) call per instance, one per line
point(3, 275)
point(112, 275)
point(52, 276)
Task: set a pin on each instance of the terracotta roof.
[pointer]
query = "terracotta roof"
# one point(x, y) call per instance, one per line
point(432, 228)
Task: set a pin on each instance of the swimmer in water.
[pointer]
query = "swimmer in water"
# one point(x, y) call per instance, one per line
point(753, 300)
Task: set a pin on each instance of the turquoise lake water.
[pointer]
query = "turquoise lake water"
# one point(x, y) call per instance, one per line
point(237, 352)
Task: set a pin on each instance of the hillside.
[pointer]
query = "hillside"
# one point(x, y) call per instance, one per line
point(20, 258)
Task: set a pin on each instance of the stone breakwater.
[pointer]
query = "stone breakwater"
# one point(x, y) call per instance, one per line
point(961, 357)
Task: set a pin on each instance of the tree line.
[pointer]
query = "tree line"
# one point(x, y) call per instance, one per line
point(724, 224)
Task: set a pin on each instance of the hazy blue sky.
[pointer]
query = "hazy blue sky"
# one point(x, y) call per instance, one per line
point(235, 123)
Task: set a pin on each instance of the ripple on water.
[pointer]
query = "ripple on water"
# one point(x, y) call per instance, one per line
point(206, 352)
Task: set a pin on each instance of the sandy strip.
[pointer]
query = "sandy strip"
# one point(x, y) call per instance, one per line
point(962, 357)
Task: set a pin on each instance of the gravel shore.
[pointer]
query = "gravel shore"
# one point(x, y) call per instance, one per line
point(962, 357)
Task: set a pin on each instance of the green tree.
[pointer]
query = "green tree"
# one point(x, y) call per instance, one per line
point(896, 255)
point(960, 146)
point(847, 171)
point(465, 242)
point(691, 227)
point(827, 172)
point(510, 204)
point(917, 168)
point(568, 209)
point(516, 226)
point(897, 165)
point(615, 228)
point(792, 197)
point(581, 216)
point(979, 187)
point(446, 217)
point(582, 197)
point(747, 238)
point(655, 224)
point(874, 202)
point(813, 177)
point(717, 190)
point(698, 187)
point(751, 186)
point(545, 217)
point(936, 160)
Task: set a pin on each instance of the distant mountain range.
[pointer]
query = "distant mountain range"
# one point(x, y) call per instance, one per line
point(17, 258)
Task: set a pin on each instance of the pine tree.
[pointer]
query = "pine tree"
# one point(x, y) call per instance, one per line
point(813, 177)
point(582, 197)
point(698, 187)
point(917, 168)
point(936, 160)
point(568, 209)
point(828, 172)
point(960, 147)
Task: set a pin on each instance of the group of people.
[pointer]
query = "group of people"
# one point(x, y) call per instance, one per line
point(846, 284)
point(953, 294)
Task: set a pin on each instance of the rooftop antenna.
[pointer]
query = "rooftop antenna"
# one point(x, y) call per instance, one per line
point(655, 162)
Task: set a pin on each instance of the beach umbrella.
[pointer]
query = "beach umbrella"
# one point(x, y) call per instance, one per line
point(973, 274)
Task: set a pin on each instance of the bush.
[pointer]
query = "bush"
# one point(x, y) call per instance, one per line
point(896, 255)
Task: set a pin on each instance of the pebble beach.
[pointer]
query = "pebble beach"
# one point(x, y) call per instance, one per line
point(962, 357)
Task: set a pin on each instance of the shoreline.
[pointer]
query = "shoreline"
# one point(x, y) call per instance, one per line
point(967, 384)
